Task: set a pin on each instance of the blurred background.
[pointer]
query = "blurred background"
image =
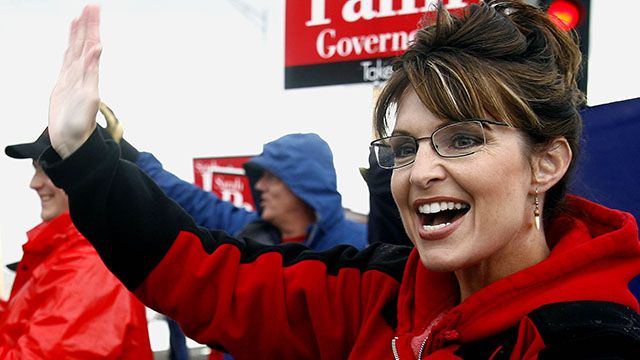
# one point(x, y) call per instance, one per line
point(197, 78)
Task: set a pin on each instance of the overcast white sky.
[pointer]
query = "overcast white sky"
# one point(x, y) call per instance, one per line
point(198, 78)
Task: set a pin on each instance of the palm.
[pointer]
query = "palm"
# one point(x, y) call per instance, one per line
point(74, 101)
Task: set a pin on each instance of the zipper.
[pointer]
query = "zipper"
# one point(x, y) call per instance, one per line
point(394, 348)
point(424, 342)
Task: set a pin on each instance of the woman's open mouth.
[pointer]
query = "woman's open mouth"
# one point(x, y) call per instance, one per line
point(440, 214)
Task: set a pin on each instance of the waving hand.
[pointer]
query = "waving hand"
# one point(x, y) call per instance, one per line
point(74, 101)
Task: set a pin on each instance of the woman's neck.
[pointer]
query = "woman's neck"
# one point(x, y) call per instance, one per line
point(524, 251)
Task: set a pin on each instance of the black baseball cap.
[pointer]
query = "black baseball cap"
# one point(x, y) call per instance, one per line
point(30, 150)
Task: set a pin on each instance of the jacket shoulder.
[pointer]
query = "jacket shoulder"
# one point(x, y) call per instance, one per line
point(588, 329)
point(565, 330)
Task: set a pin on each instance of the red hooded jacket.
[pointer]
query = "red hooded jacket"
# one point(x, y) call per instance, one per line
point(287, 302)
point(275, 306)
point(65, 304)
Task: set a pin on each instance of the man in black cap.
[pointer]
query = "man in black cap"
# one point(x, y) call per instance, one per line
point(53, 200)
point(64, 303)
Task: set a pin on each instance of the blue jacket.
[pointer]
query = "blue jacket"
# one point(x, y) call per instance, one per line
point(302, 161)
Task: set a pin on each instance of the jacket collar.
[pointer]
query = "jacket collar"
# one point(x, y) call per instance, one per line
point(49, 235)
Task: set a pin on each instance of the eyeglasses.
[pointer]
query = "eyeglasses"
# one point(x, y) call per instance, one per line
point(449, 141)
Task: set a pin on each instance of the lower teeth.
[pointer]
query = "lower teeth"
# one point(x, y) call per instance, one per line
point(434, 227)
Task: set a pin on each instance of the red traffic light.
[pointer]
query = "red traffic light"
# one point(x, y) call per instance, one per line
point(565, 13)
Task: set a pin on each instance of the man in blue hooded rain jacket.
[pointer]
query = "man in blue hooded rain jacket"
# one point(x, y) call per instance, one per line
point(301, 163)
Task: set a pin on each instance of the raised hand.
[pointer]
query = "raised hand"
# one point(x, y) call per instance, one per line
point(74, 101)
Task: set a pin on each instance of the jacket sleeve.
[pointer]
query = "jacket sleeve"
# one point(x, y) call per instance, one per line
point(205, 207)
point(74, 309)
point(234, 294)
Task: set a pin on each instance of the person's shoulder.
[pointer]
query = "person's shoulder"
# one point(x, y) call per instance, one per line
point(379, 258)
point(565, 330)
point(77, 246)
point(76, 254)
point(356, 227)
point(349, 232)
point(387, 258)
point(76, 266)
point(587, 329)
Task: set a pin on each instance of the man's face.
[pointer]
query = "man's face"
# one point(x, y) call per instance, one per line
point(53, 200)
point(277, 201)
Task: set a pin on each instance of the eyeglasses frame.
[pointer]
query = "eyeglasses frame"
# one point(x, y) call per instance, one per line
point(417, 141)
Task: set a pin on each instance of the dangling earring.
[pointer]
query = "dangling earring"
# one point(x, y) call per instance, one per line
point(536, 211)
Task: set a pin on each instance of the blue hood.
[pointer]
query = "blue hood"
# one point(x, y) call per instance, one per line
point(305, 163)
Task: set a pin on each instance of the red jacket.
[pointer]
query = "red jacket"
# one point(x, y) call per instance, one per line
point(287, 302)
point(292, 307)
point(65, 304)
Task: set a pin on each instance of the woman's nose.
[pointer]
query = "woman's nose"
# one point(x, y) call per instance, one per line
point(427, 167)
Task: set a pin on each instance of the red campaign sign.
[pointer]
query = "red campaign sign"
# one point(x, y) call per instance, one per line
point(225, 177)
point(331, 42)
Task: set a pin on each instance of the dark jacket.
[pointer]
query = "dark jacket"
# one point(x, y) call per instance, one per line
point(384, 223)
point(303, 162)
point(286, 302)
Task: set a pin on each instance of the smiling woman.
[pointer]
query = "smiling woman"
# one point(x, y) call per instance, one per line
point(493, 91)
point(473, 201)
point(500, 231)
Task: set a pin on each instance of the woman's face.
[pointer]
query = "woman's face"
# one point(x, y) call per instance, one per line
point(491, 186)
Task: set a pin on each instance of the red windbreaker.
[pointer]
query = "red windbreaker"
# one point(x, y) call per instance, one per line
point(65, 304)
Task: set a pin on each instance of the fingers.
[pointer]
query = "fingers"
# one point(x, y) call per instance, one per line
point(83, 35)
point(73, 35)
point(92, 64)
point(75, 47)
point(91, 14)
point(82, 58)
point(91, 47)
point(74, 101)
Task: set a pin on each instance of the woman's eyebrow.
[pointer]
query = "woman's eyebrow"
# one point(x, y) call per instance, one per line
point(440, 124)
point(399, 132)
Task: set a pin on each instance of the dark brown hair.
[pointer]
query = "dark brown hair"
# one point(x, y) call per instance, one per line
point(502, 60)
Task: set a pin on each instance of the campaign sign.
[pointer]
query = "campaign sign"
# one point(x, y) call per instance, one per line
point(225, 177)
point(330, 42)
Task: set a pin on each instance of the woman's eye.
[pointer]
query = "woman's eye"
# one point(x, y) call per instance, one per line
point(465, 141)
point(404, 150)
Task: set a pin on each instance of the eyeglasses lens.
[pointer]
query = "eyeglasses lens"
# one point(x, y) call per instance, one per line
point(459, 139)
point(450, 141)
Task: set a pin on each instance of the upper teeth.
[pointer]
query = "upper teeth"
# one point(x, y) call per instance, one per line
point(435, 207)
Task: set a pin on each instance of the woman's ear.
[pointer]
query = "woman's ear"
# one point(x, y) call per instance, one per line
point(550, 165)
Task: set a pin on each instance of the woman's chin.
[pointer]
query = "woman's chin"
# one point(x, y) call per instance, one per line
point(439, 263)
